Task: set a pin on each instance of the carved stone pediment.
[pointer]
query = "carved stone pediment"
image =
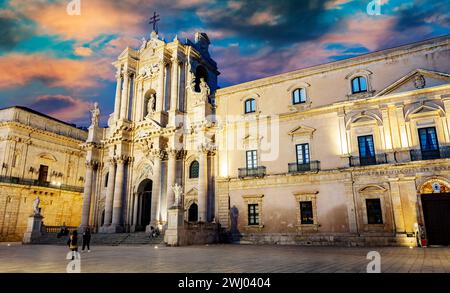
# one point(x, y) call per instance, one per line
point(302, 131)
point(416, 79)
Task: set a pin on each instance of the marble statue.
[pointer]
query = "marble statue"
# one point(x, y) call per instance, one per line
point(178, 190)
point(95, 114)
point(36, 204)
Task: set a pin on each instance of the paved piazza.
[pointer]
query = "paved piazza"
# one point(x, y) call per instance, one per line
point(224, 258)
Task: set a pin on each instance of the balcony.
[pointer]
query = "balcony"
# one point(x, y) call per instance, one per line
point(31, 182)
point(252, 172)
point(378, 159)
point(313, 166)
point(441, 153)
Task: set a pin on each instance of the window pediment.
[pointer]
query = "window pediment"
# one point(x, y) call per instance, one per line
point(371, 189)
point(302, 131)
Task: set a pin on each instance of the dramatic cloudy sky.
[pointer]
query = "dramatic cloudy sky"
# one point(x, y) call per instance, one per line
point(60, 64)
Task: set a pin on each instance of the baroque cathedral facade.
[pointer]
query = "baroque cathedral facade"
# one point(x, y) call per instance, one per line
point(351, 152)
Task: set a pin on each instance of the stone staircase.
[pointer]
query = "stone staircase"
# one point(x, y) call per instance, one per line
point(138, 238)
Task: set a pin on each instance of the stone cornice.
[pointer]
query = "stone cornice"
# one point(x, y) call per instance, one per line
point(34, 130)
point(338, 65)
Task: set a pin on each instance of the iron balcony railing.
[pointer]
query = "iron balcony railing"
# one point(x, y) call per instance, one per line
point(32, 182)
point(252, 172)
point(378, 159)
point(419, 155)
point(313, 166)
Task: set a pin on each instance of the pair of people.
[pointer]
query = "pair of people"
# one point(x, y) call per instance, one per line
point(154, 232)
point(73, 241)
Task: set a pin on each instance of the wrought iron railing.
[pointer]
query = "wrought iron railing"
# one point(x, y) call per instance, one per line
point(31, 182)
point(378, 159)
point(313, 166)
point(252, 172)
point(419, 155)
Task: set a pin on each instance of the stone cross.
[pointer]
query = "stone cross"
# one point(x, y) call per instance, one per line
point(154, 21)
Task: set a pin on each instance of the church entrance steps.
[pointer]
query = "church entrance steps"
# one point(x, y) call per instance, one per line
point(138, 238)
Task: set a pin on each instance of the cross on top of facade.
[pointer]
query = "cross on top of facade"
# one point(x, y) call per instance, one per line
point(154, 21)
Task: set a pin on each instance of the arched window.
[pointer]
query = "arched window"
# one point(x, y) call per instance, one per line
point(193, 169)
point(250, 106)
point(299, 96)
point(359, 85)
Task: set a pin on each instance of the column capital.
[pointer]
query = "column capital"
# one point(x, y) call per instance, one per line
point(172, 153)
point(157, 153)
point(122, 159)
point(92, 164)
point(206, 148)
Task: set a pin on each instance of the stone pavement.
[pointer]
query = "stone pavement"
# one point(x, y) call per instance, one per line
point(224, 258)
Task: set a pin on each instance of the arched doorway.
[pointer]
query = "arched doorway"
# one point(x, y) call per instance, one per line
point(435, 199)
point(144, 204)
point(193, 213)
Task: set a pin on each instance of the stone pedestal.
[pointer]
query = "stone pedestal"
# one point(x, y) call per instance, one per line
point(34, 227)
point(173, 235)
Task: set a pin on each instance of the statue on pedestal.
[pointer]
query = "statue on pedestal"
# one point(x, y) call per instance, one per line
point(36, 209)
point(95, 115)
point(178, 190)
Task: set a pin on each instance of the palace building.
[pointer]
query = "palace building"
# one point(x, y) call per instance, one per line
point(39, 157)
point(353, 152)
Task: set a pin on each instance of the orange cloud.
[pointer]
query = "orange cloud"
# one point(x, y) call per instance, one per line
point(19, 70)
point(97, 17)
point(83, 51)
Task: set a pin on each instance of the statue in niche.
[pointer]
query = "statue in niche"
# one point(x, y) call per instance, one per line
point(95, 115)
point(204, 88)
point(151, 105)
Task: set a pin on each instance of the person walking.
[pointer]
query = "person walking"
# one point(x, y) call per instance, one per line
point(73, 243)
point(86, 239)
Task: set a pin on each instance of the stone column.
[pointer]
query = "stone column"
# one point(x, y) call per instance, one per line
point(160, 93)
point(110, 192)
point(397, 209)
point(202, 184)
point(118, 98)
point(87, 194)
point(171, 174)
point(174, 84)
point(118, 193)
point(157, 155)
point(135, 208)
point(125, 97)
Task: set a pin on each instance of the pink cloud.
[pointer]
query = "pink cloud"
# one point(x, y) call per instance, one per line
point(335, 4)
point(264, 17)
point(72, 110)
point(20, 70)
